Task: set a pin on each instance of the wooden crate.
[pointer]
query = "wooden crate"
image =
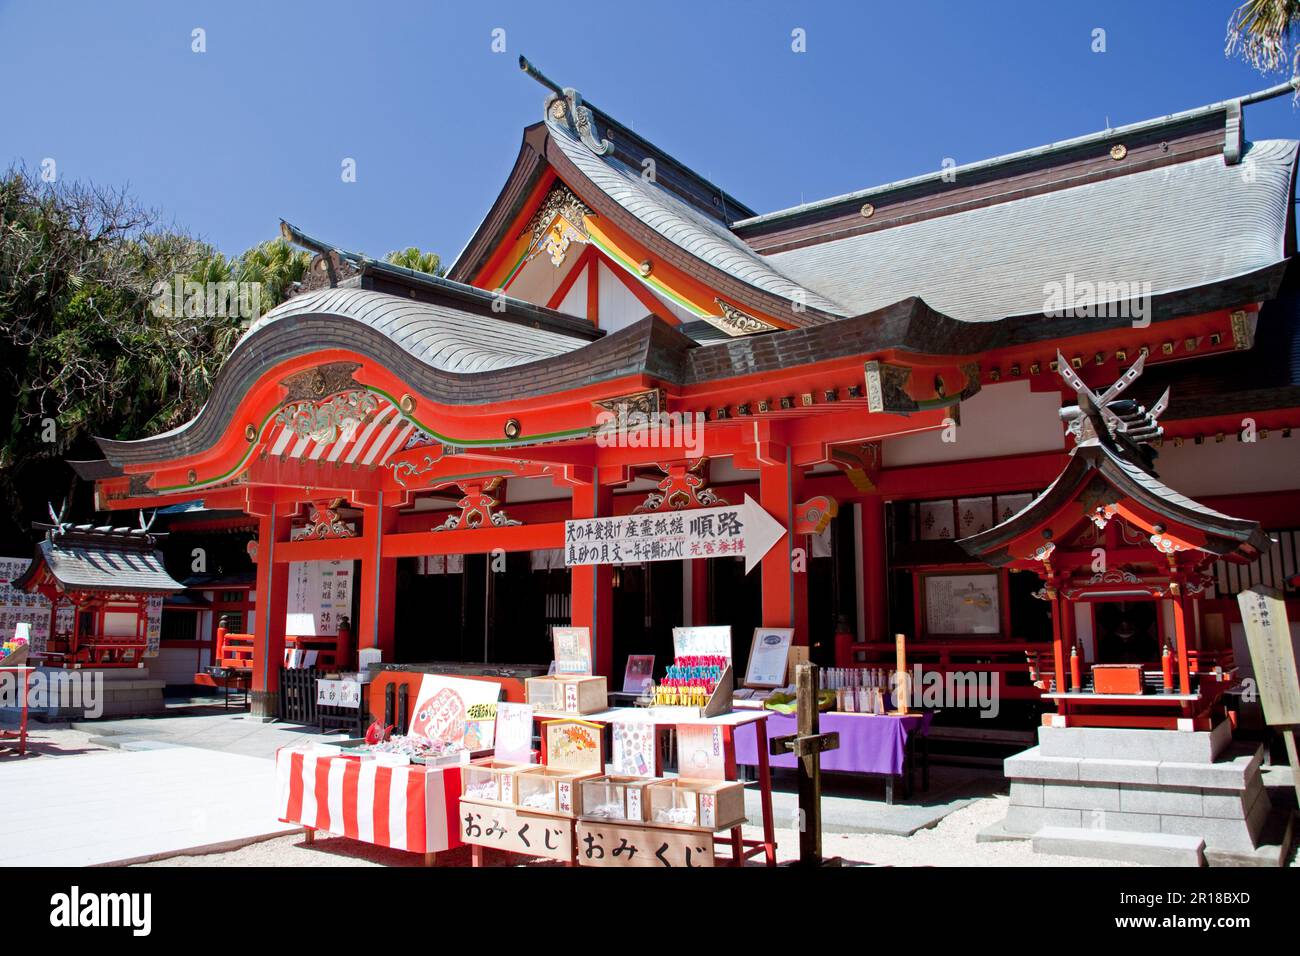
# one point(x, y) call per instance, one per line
point(707, 804)
point(490, 779)
point(616, 797)
point(548, 790)
point(557, 694)
point(1117, 679)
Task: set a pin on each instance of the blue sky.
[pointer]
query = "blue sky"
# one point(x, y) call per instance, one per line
point(228, 141)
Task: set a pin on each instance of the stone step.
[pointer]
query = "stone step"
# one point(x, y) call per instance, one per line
point(1152, 849)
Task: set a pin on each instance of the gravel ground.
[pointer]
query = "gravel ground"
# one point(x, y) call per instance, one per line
point(951, 843)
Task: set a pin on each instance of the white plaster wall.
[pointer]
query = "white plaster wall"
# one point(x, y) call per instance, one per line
point(987, 429)
point(1231, 466)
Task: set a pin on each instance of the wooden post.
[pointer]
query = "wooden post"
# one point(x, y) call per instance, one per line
point(810, 774)
point(902, 688)
point(807, 744)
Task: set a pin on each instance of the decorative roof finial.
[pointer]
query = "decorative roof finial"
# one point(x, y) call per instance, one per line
point(569, 100)
point(1103, 417)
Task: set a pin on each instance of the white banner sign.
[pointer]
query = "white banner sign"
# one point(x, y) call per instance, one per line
point(320, 592)
point(744, 530)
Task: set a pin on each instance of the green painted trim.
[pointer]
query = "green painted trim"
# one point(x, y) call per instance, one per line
point(634, 270)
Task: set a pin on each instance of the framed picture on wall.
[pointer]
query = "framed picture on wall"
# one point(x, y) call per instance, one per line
point(961, 604)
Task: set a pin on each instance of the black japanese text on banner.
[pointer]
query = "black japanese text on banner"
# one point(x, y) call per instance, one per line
point(744, 530)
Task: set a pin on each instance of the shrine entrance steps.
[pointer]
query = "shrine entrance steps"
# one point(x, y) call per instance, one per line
point(1108, 791)
point(1150, 849)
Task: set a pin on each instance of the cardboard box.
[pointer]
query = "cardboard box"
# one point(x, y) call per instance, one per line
point(615, 797)
point(1117, 679)
point(547, 790)
point(707, 804)
point(558, 694)
point(490, 779)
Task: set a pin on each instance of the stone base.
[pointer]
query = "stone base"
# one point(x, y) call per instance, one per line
point(95, 693)
point(263, 705)
point(1120, 785)
point(1152, 849)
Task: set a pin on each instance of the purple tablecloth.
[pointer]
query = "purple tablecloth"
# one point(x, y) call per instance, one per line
point(868, 744)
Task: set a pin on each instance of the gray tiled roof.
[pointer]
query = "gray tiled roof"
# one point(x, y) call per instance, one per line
point(107, 568)
point(444, 338)
point(689, 228)
point(1176, 227)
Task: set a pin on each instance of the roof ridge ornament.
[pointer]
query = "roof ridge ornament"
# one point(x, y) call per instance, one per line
point(568, 99)
point(1121, 423)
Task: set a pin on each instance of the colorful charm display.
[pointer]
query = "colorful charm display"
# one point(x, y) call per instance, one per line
point(690, 680)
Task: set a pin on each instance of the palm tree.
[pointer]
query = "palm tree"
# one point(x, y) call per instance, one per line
point(412, 258)
point(1262, 32)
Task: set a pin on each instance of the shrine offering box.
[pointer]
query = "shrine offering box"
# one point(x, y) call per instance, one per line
point(709, 804)
point(548, 790)
point(1117, 679)
point(614, 797)
point(490, 780)
point(567, 695)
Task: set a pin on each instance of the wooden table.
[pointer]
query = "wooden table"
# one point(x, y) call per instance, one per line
point(21, 734)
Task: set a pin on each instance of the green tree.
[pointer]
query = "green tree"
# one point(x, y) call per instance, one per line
point(412, 258)
point(1263, 33)
point(85, 343)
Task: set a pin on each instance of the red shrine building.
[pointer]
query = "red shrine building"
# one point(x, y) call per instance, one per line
point(880, 371)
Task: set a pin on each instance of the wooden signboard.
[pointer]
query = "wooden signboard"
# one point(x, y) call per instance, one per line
point(1272, 652)
point(620, 843)
point(516, 831)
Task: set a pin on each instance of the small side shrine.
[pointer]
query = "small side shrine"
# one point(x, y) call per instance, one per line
point(1115, 545)
point(105, 586)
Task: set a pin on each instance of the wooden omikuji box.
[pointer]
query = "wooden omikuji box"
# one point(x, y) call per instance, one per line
point(490, 779)
point(706, 804)
point(1117, 679)
point(615, 797)
point(548, 790)
point(558, 694)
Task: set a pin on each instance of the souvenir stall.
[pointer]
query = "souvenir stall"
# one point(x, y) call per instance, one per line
point(395, 790)
point(14, 669)
point(634, 816)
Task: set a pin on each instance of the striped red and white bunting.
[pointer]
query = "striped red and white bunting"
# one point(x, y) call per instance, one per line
point(406, 808)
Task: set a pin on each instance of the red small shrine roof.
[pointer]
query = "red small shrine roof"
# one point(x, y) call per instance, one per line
point(1098, 474)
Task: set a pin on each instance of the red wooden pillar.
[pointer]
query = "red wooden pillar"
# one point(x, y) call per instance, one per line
point(378, 580)
point(591, 587)
point(785, 591)
point(1060, 658)
point(1181, 623)
point(875, 571)
point(698, 613)
point(269, 617)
